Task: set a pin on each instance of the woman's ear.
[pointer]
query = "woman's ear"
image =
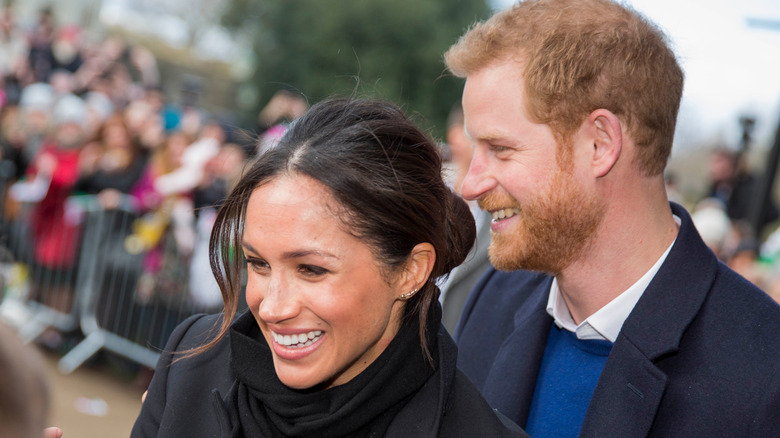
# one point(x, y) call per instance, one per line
point(418, 267)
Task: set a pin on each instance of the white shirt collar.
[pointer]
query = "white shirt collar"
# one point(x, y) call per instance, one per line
point(606, 323)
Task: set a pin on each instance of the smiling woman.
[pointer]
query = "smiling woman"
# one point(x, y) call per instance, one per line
point(345, 227)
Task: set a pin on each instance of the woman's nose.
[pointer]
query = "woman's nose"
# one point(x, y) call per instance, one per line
point(279, 302)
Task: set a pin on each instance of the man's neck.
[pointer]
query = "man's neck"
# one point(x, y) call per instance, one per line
point(627, 245)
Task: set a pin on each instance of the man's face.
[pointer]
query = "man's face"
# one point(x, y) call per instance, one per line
point(544, 215)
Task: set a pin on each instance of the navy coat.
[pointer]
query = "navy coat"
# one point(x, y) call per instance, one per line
point(699, 355)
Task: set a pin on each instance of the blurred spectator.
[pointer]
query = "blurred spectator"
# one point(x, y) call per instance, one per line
point(36, 102)
point(41, 55)
point(12, 145)
point(193, 162)
point(713, 224)
point(49, 181)
point(156, 207)
point(66, 49)
point(272, 121)
point(736, 187)
point(14, 47)
point(672, 191)
point(24, 388)
point(145, 120)
point(220, 175)
point(112, 165)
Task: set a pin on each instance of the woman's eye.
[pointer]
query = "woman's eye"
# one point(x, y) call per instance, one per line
point(312, 271)
point(257, 265)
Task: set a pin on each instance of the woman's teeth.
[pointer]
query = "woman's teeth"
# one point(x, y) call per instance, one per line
point(297, 340)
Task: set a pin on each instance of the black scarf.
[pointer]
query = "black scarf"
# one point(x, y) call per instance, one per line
point(260, 405)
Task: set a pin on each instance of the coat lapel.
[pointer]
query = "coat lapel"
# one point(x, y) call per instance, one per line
point(631, 385)
point(510, 384)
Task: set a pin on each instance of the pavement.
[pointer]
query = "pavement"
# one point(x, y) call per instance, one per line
point(98, 400)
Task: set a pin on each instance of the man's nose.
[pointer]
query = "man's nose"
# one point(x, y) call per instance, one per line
point(478, 180)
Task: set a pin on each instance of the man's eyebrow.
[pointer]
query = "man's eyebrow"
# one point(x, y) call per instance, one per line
point(488, 137)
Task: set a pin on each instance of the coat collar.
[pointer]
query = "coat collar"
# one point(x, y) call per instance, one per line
point(631, 386)
point(690, 270)
point(415, 419)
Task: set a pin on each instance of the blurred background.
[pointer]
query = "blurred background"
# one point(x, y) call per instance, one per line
point(124, 123)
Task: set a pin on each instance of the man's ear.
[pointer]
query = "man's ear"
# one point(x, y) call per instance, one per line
point(418, 267)
point(607, 136)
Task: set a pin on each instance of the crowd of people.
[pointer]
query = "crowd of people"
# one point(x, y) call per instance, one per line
point(85, 129)
point(726, 219)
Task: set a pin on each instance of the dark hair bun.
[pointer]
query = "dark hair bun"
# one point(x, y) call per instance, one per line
point(461, 231)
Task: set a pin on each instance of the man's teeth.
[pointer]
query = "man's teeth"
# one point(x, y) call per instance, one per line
point(504, 213)
point(299, 340)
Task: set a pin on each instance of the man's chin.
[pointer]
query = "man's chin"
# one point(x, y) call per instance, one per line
point(508, 258)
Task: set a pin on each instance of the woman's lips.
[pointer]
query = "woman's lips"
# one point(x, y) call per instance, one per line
point(295, 346)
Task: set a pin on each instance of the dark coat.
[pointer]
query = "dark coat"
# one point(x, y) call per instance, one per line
point(183, 397)
point(699, 355)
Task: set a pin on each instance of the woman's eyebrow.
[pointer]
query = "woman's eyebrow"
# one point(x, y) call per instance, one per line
point(293, 254)
point(249, 247)
point(307, 252)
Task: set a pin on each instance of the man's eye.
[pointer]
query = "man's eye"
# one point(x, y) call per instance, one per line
point(497, 148)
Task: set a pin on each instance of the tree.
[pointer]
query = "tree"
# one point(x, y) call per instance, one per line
point(390, 49)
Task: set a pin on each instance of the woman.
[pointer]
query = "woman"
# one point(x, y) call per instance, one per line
point(345, 226)
point(111, 165)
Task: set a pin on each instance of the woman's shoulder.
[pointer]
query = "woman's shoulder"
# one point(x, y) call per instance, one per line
point(179, 401)
point(194, 332)
point(469, 415)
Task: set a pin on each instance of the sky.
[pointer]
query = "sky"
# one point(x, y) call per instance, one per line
point(731, 68)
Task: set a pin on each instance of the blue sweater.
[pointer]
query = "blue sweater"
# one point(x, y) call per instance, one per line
point(567, 377)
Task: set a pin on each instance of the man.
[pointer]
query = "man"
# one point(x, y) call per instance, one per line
point(629, 326)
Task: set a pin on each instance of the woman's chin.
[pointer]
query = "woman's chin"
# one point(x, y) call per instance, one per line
point(300, 382)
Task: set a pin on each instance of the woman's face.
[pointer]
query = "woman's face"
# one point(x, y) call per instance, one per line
point(317, 292)
point(116, 136)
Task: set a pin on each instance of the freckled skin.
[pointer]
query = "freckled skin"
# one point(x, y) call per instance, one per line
point(306, 273)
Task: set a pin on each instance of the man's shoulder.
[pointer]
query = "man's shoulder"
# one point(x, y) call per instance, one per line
point(506, 287)
point(498, 295)
point(741, 309)
point(501, 303)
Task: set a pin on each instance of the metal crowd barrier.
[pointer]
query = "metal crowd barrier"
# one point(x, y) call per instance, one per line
point(116, 303)
point(40, 265)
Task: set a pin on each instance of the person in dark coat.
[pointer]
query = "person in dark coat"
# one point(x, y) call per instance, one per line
point(612, 317)
point(344, 227)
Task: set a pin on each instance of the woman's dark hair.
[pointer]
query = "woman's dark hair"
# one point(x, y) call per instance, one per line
point(386, 177)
